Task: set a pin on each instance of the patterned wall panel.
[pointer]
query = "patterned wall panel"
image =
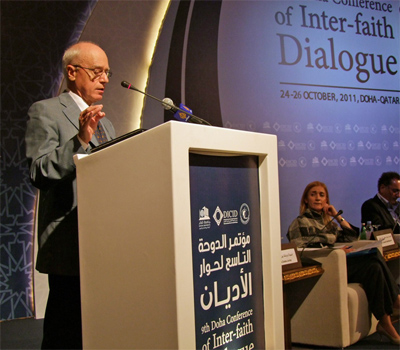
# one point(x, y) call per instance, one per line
point(34, 35)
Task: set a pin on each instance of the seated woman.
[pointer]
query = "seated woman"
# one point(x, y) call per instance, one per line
point(315, 227)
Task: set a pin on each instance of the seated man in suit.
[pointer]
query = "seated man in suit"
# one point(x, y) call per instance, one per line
point(59, 128)
point(384, 209)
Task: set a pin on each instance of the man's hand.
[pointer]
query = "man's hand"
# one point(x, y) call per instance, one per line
point(88, 120)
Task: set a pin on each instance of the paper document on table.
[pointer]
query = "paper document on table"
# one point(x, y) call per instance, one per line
point(312, 249)
point(372, 244)
point(364, 249)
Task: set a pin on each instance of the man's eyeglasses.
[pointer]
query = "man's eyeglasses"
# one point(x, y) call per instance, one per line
point(98, 72)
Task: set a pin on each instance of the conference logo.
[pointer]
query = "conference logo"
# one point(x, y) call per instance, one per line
point(224, 217)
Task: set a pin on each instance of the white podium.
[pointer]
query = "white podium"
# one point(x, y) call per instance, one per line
point(135, 237)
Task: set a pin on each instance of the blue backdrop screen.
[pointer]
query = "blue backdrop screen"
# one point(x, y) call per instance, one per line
point(324, 77)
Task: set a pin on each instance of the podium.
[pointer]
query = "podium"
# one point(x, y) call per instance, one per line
point(145, 245)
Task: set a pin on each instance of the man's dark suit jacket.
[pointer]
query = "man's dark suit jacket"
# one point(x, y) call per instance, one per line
point(51, 142)
point(375, 211)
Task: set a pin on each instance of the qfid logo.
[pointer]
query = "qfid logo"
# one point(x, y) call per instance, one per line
point(204, 219)
point(204, 214)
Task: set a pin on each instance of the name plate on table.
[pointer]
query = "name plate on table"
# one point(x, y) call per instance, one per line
point(290, 257)
point(387, 239)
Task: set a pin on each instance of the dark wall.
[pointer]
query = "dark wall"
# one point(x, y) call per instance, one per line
point(34, 35)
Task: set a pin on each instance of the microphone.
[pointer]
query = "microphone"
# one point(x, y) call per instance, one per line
point(340, 212)
point(169, 105)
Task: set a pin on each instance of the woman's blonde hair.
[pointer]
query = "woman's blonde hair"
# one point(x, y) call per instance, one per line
point(303, 203)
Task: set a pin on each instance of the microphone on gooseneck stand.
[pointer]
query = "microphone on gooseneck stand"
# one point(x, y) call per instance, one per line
point(340, 212)
point(181, 113)
point(168, 105)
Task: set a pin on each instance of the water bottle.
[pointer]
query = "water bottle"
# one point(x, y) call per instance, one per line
point(363, 234)
point(369, 229)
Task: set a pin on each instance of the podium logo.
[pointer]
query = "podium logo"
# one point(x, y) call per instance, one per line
point(244, 214)
point(204, 214)
point(218, 216)
point(227, 217)
point(204, 218)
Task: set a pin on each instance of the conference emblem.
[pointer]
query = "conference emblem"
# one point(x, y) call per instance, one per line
point(244, 214)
